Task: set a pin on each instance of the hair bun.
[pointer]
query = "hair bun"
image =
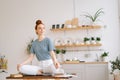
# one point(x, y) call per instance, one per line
point(38, 22)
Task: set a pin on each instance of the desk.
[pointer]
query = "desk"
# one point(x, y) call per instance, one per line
point(56, 77)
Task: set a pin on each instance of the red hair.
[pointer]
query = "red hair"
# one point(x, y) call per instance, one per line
point(38, 22)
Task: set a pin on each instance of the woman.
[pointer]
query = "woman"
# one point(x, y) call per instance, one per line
point(43, 49)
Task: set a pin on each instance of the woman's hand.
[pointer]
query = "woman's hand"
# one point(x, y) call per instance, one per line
point(30, 58)
point(18, 66)
point(57, 64)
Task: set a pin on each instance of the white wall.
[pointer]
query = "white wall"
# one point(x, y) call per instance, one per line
point(17, 21)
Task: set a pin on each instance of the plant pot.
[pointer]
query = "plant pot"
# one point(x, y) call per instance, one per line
point(93, 42)
point(94, 23)
point(87, 42)
point(103, 59)
point(98, 42)
point(117, 77)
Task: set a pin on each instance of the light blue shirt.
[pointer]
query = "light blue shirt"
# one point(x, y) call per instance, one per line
point(42, 49)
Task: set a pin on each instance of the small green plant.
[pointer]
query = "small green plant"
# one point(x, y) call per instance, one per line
point(92, 38)
point(98, 39)
point(115, 64)
point(105, 54)
point(29, 45)
point(63, 51)
point(95, 17)
point(86, 39)
point(57, 51)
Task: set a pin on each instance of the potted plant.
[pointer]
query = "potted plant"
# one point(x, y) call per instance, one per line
point(93, 40)
point(104, 55)
point(115, 68)
point(98, 39)
point(57, 51)
point(63, 51)
point(96, 16)
point(115, 65)
point(86, 40)
point(29, 45)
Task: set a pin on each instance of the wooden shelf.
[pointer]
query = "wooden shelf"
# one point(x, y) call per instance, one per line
point(77, 28)
point(83, 27)
point(85, 45)
point(81, 50)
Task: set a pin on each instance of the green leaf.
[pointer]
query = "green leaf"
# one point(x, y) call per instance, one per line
point(63, 51)
point(95, 16)
point(98, 13)
point(89, 16)
point(57, 51)
point(115, 64)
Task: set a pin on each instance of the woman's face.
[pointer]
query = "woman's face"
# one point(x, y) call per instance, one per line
point(40, 29)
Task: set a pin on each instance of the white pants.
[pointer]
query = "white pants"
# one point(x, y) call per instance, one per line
point(46, 66)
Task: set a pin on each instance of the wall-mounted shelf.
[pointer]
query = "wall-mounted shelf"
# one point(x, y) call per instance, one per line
point(78, 50)
point(77, 28)
point(69, 47)
point(73, 45)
